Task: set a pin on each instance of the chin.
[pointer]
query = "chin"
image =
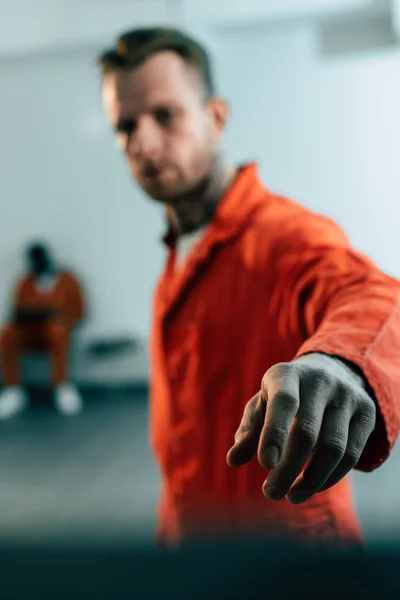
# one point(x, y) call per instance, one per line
point(161, 196)
point(166, 195)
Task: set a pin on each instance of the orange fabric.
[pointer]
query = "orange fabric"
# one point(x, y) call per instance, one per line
point(269, 281)
point(52, 337)
point(66, 296)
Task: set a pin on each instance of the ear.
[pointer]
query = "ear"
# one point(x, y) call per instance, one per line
point(219, 112)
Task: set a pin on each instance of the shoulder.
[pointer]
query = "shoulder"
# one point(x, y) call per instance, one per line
point(283, 226)
point(68, 278)
point(24, 281)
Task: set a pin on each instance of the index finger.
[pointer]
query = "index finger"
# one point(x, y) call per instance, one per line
point(281, 388)
point(248, 435)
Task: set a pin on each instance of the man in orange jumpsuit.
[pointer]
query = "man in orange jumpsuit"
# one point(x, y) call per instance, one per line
point(269, 331)
point(48, 304)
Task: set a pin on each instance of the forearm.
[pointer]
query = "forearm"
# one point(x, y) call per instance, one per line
point(33, 315)
point(361, 327)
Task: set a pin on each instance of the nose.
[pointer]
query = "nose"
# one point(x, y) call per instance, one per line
point(146, 142)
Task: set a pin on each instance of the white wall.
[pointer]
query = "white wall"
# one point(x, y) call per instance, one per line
point(62, 179)
point(325, 130)
point(28, 26)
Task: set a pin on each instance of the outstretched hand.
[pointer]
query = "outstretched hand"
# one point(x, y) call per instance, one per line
point(314, 407)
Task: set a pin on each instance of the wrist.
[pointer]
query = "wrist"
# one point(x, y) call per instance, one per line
point(351, 369)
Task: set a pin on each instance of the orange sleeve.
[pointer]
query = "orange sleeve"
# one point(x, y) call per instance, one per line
point(347, 308)
point(19, 299)
point(75, 305)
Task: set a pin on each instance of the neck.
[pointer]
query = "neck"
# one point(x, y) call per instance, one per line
point(197, 208)
point(46, 272)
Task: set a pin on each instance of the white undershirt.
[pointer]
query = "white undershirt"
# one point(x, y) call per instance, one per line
point(185, 245)
point(46, 283)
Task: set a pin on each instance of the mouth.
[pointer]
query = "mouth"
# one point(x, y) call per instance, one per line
point(152, 172)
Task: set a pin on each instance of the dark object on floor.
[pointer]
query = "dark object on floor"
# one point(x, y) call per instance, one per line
point(105, 348)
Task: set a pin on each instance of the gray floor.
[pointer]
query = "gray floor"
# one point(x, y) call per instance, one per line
point(93, 478)
point(89, 478)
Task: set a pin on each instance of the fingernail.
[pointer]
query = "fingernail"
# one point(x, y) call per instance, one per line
point(273, 494)
point(271, 457)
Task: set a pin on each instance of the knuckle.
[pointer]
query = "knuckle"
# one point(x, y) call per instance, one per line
point(334, 446)
point(252, 418)
point(306, 434)
point(367, 422)
point(343, 391)
point(322, 377)
point(366, 414)
point(341, 398)
point(252, 409)
point(246, 429)
point(367, 407)
point(278, 371)
point(277, 433)
point(287, 400)
point(352, 456)
point(242, 432)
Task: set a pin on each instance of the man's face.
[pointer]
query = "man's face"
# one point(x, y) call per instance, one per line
point(168, 132)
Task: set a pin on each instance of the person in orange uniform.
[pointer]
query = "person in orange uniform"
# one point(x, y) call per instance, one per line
point(275, 345)
point(48, 304)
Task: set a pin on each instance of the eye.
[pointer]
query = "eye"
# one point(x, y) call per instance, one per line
point(124, 131)
point(164, 116)
point(126, 127)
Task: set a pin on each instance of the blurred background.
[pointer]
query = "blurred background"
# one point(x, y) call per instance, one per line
point(314, 87)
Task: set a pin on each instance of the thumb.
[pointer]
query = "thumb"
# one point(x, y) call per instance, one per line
point(248, 435)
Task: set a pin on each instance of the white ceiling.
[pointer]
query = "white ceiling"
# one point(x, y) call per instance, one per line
point(247, 12)
point(30, 26)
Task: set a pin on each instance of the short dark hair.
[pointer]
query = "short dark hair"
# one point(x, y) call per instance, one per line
point(37, 249)
point(135, 46)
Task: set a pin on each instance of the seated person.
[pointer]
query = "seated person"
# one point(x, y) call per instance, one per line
point(47, 305)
